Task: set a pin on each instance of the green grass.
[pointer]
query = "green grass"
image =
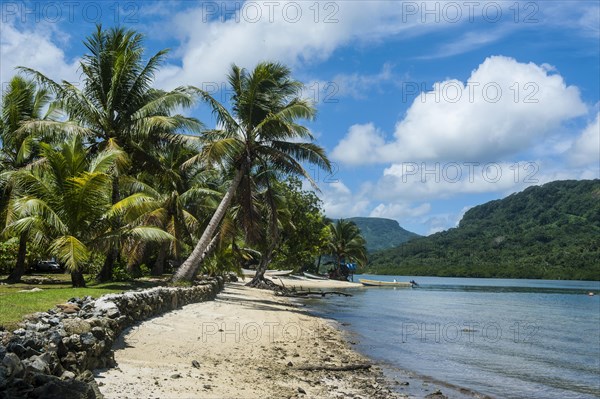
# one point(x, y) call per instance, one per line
point(14, 305)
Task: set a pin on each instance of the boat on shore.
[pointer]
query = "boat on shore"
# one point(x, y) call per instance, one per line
point(270, 273)
point(315, 276)
point(379, 283)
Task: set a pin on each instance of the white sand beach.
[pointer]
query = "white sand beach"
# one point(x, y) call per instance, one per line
point(247, 343)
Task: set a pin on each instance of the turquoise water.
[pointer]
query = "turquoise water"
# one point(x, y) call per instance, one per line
point(499, 337)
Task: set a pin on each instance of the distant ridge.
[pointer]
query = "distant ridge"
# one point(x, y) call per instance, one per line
point(550, 231)
point(382, 233)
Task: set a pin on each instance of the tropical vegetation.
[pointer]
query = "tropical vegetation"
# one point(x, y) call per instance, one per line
point(550, 232)
point(380, 233)
point(111, 178)
point(346, 244)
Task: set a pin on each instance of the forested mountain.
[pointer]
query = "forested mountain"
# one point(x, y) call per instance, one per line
point(550, 231)
point(382, 233)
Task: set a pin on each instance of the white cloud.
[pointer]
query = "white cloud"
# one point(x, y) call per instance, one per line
point(340, 202)
point(503, 108)
point(295, 33)
point(361, 145)
point(400, 211)
point(35, 48)
point(437, 180)
point(585, 150)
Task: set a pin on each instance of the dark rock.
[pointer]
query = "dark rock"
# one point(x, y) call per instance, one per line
point(87, 340)
point(60, 389)
point(301, 390)
point(37, 364)
point(16, 348)
point(98, 332)
point(14, 367)
point(436, 395)
point(195, 364)
point(176, 376)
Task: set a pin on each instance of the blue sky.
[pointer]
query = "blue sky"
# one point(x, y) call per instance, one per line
point(426, 108)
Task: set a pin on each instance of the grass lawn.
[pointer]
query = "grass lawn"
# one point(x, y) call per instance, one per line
point(14, 304)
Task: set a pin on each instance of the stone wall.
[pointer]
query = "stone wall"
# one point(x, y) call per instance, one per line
point(52, 355)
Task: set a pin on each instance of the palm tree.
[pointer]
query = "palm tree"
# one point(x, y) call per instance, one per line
point(262, 129)
point(346, 244)
point(117, 107)
point(172, 200)
point(275, 216)
point(21, 101)
point(65, 202)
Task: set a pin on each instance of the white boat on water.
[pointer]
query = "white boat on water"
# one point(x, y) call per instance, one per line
point(379, 283)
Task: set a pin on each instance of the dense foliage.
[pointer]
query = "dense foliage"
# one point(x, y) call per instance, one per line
point(113, 179)
point(550, 232)
point(382, 233)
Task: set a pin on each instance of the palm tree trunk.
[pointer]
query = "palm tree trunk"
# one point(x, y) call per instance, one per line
point(159, 266)
point(19, 270)
point(319, 263)
point(189, 268)
point(77, 279)
point(259, 278)
point(106, 273)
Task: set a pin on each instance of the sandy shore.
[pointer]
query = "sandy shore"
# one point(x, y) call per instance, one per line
point(246, 344)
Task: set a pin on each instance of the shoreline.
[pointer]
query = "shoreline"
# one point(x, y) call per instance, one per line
point(247, 343)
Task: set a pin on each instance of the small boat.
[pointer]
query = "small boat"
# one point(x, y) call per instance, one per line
point(278, 272)
point(268, 273)
point(379, 283)
point(315, 276)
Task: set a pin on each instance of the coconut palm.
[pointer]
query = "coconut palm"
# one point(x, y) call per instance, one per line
point(275, 217)
point(22, 101)
point(65, 200)
point(262, 129)
point(118, 107)
point(346, 244)
point(172, 200)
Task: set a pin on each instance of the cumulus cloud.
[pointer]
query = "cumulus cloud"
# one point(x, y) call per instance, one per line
point(35, 48)
point(340, 202)
point(214, 35)
point(400, 210)
point(585, 150)
point(503, 108)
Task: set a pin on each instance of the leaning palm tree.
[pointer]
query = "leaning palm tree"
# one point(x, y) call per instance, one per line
point(346, 244)
point(118, 107)
point(21, 102)
point(172, 200)
point(261, 129)
point(65, 202)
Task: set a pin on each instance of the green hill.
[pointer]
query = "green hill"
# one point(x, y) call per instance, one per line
point(550, 231)
point(382, 233)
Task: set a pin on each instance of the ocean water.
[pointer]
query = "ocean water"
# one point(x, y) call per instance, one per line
point(498, 337)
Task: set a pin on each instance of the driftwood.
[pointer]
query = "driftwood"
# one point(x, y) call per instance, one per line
point(349, 367)
point(293, 294)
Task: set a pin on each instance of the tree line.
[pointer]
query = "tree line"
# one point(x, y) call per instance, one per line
point(111, 175)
